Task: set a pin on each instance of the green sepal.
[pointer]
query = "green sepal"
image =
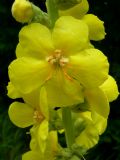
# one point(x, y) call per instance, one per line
point(79, 126)
point(55, 121)
point(76, 152)
point(81, 107)
point(63, 154)
point(75, 158)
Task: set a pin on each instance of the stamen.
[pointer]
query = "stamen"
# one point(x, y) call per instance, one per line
point(57, 58)
point(48, 59)
point(58, 51)
point(67, 76)
point(63, 61)
point(38, 117)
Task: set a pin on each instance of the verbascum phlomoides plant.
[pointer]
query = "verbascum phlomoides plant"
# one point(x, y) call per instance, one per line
point(62, 78)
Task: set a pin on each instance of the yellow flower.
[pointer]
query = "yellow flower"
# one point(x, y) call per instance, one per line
point(50, 151)
point(95, 25)
point(22, 11)
point(99, 121)
point(78, 11)
point(36, 99)
point(97, 99)
point(61, 60)
point(24, 115)
point(12, 92)
point(95, 125)
point(110, 89)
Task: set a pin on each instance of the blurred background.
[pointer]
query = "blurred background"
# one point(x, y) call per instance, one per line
point(15, 141)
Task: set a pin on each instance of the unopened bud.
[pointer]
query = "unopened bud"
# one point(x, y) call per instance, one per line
point(66, 4)
point(22, 11)
point(96, 27)
point(77, 11)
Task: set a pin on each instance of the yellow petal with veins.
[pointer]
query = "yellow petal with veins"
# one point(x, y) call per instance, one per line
point(21, 114)
point(63, 91)
point(42, 135)
point(98, 101)
point(99, 121)
point(70, 35)
point(32, 155)
point(96, 27)
point(27, 74)
point(12, 92)
point(89, 67)
point(44, 103)
point(88, 137)
point(110, 88)
point(34, 41)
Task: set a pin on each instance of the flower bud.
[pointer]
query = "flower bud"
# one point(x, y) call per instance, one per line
point(96, 27)
point(22, 11)
point(65, 4)
point(77, 11)
point(110, 89)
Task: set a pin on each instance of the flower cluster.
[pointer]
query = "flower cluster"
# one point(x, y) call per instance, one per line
point(58, 68)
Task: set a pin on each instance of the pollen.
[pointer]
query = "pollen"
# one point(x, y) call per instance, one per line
point(57, 58)
point(38, 117)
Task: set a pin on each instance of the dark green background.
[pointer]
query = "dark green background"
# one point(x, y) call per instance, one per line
point(14, 141)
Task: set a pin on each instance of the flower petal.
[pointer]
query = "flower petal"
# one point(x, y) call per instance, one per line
point(21, 114)
point(34, 146)
point(88, 137)
point(32, 155)
point(89, 67)
point(32, 98)
point(43, 130)
point(53, 140)
point(110, 89)
point(12, 92)
point(43, 135)
point(44, 103)
point(70, 34)
point(34, 41)
point(77, 11)
point(99, 121)
point(27, 74)
point(98, 101)
point(63, 91)
point(96, 27)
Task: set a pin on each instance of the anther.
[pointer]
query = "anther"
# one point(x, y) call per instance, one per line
point(38, 117)
point(57, 58)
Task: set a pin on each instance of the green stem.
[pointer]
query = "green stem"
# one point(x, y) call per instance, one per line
point(66, 112)
point(52, 11)
point(68, 126)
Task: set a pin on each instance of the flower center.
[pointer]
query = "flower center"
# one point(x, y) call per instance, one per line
point(57, 58)
point(38, 117)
